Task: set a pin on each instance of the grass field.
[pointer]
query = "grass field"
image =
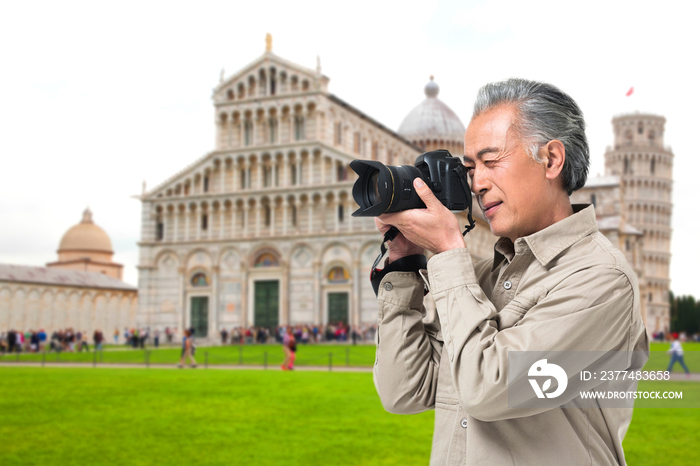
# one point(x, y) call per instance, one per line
point(67, 416)
point(307, 355)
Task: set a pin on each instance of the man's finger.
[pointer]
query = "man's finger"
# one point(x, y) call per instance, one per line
point(426, 194)
point(381, 226)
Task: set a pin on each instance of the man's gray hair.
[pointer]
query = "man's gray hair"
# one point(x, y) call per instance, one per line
point(544, 113)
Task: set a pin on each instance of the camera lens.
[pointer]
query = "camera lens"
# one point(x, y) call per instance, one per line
point(375, 196)
point(384, 188)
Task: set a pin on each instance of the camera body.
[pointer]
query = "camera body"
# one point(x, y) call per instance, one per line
point(384, 188)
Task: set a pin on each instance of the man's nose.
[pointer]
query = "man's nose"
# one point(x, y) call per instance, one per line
point(480, 183)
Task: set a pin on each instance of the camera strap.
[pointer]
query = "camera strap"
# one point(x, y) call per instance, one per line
point(461, 171)
point(388, 236)
point(413, 263)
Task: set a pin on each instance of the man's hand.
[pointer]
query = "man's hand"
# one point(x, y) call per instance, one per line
point(434, 228)
point(398, 247)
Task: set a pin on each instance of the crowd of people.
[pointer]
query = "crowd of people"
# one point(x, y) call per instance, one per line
point(34, 341)
point(335, 332)
point(671, 336)
point(72, 340)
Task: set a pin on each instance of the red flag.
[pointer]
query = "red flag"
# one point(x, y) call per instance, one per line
point(629, 93)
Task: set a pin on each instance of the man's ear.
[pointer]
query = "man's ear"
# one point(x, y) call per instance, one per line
point(554, 155)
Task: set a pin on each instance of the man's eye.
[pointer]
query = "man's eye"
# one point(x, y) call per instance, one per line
point(489, 162)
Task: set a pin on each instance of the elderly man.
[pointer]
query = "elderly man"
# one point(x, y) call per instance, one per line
point(555, 283)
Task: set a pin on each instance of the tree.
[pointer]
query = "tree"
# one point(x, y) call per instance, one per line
point(685, 314)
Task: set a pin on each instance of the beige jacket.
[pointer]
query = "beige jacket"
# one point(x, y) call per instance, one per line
point(564, 288)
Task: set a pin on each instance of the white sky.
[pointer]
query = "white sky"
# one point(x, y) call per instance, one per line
point(96, 97)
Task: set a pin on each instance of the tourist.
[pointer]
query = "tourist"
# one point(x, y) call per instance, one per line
point(289, 345)
point(676, 353)
point(97, 339)
point(187, 350)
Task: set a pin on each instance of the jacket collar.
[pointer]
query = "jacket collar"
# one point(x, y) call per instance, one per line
point(549, 242)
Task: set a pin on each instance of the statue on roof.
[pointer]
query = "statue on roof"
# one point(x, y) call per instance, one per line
point(268, 42)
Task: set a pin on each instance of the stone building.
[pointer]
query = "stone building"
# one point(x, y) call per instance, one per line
point(258, 231)
point(633, 205)
point(87, 247)
point(82, 290)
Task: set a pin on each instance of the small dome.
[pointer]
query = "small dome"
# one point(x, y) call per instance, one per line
point(432, 89)
point(432, 119)
point(86, 236)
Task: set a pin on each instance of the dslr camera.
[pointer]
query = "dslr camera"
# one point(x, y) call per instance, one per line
point(384, 188)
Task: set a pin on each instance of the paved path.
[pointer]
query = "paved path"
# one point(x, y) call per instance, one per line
point(174, 366)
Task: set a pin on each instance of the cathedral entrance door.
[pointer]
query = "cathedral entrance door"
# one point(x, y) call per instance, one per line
point(338, 308)
point(199, 315)
point(267, 304)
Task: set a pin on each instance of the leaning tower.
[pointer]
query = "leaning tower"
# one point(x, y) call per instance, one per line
point(645, 167)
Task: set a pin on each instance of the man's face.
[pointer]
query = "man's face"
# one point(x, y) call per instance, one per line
point(511, 188)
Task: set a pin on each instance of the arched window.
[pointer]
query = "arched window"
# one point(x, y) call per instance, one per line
point(199, 279)
point(272, 130)
point(294, 174)
point(273, 81)
point(248, 130)
point(653, 165)
point(342, 172)
point(229, 94)
point(338, 275)
point(299, 132)
point(160, 229)
point(341, 213)
point(294, 215)
point(626, 168)
point(266, 176)
point(268, 215)
point(205, 184)
point(266, 259)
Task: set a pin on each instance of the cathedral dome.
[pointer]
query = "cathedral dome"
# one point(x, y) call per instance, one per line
point(432, 119)
point(86, 236)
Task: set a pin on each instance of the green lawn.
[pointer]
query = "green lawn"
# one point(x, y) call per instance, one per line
point(133, 416)
point(68, 416)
